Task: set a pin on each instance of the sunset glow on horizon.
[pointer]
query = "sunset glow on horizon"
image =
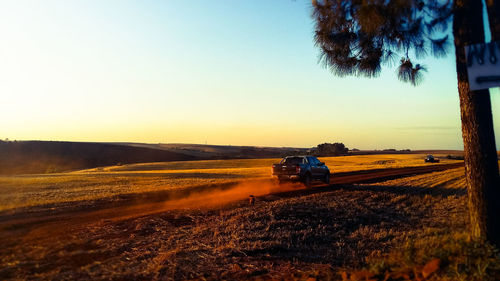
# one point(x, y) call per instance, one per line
point(216, 72)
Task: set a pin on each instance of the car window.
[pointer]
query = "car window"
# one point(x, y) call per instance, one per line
point(316, 160)
point(313, 160)
point(292, 160)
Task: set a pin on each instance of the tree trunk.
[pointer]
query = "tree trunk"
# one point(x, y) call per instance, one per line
point(493, 8)
point(481, 164)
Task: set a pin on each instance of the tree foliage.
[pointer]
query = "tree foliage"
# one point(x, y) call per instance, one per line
point(331, 149)
point(357, 37)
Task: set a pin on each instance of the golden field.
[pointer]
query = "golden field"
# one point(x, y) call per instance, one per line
point(388, 228)
point(110, 182)
point(191, 220)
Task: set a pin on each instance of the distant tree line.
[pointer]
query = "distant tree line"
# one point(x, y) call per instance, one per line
point(338, 149)
point(395, 150)
point(330, 149)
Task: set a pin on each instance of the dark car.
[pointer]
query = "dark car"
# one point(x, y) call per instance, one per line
point(301, 168)
point(431, 159)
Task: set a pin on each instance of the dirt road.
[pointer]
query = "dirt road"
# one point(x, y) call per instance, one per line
point(51, 221)
point(370, 176)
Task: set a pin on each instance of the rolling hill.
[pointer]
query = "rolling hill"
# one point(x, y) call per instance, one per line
point(27, 157)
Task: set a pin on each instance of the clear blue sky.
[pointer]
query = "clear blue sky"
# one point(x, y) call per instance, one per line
point(224, 72)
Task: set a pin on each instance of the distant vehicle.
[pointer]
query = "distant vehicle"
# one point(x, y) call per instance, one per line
point(301, 168)
point(431, 159)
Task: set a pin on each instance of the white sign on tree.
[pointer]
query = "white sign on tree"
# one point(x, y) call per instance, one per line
point(483, 65)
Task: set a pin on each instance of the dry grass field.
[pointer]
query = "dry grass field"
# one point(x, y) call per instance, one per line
point(290, 233)
point(110, 182)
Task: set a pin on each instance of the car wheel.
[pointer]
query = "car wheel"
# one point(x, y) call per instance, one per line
point(327, 178)
point(307, 180)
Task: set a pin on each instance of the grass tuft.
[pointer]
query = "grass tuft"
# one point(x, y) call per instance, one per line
point(441, 257)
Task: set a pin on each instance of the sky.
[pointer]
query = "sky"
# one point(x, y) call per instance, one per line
point(216, 72)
